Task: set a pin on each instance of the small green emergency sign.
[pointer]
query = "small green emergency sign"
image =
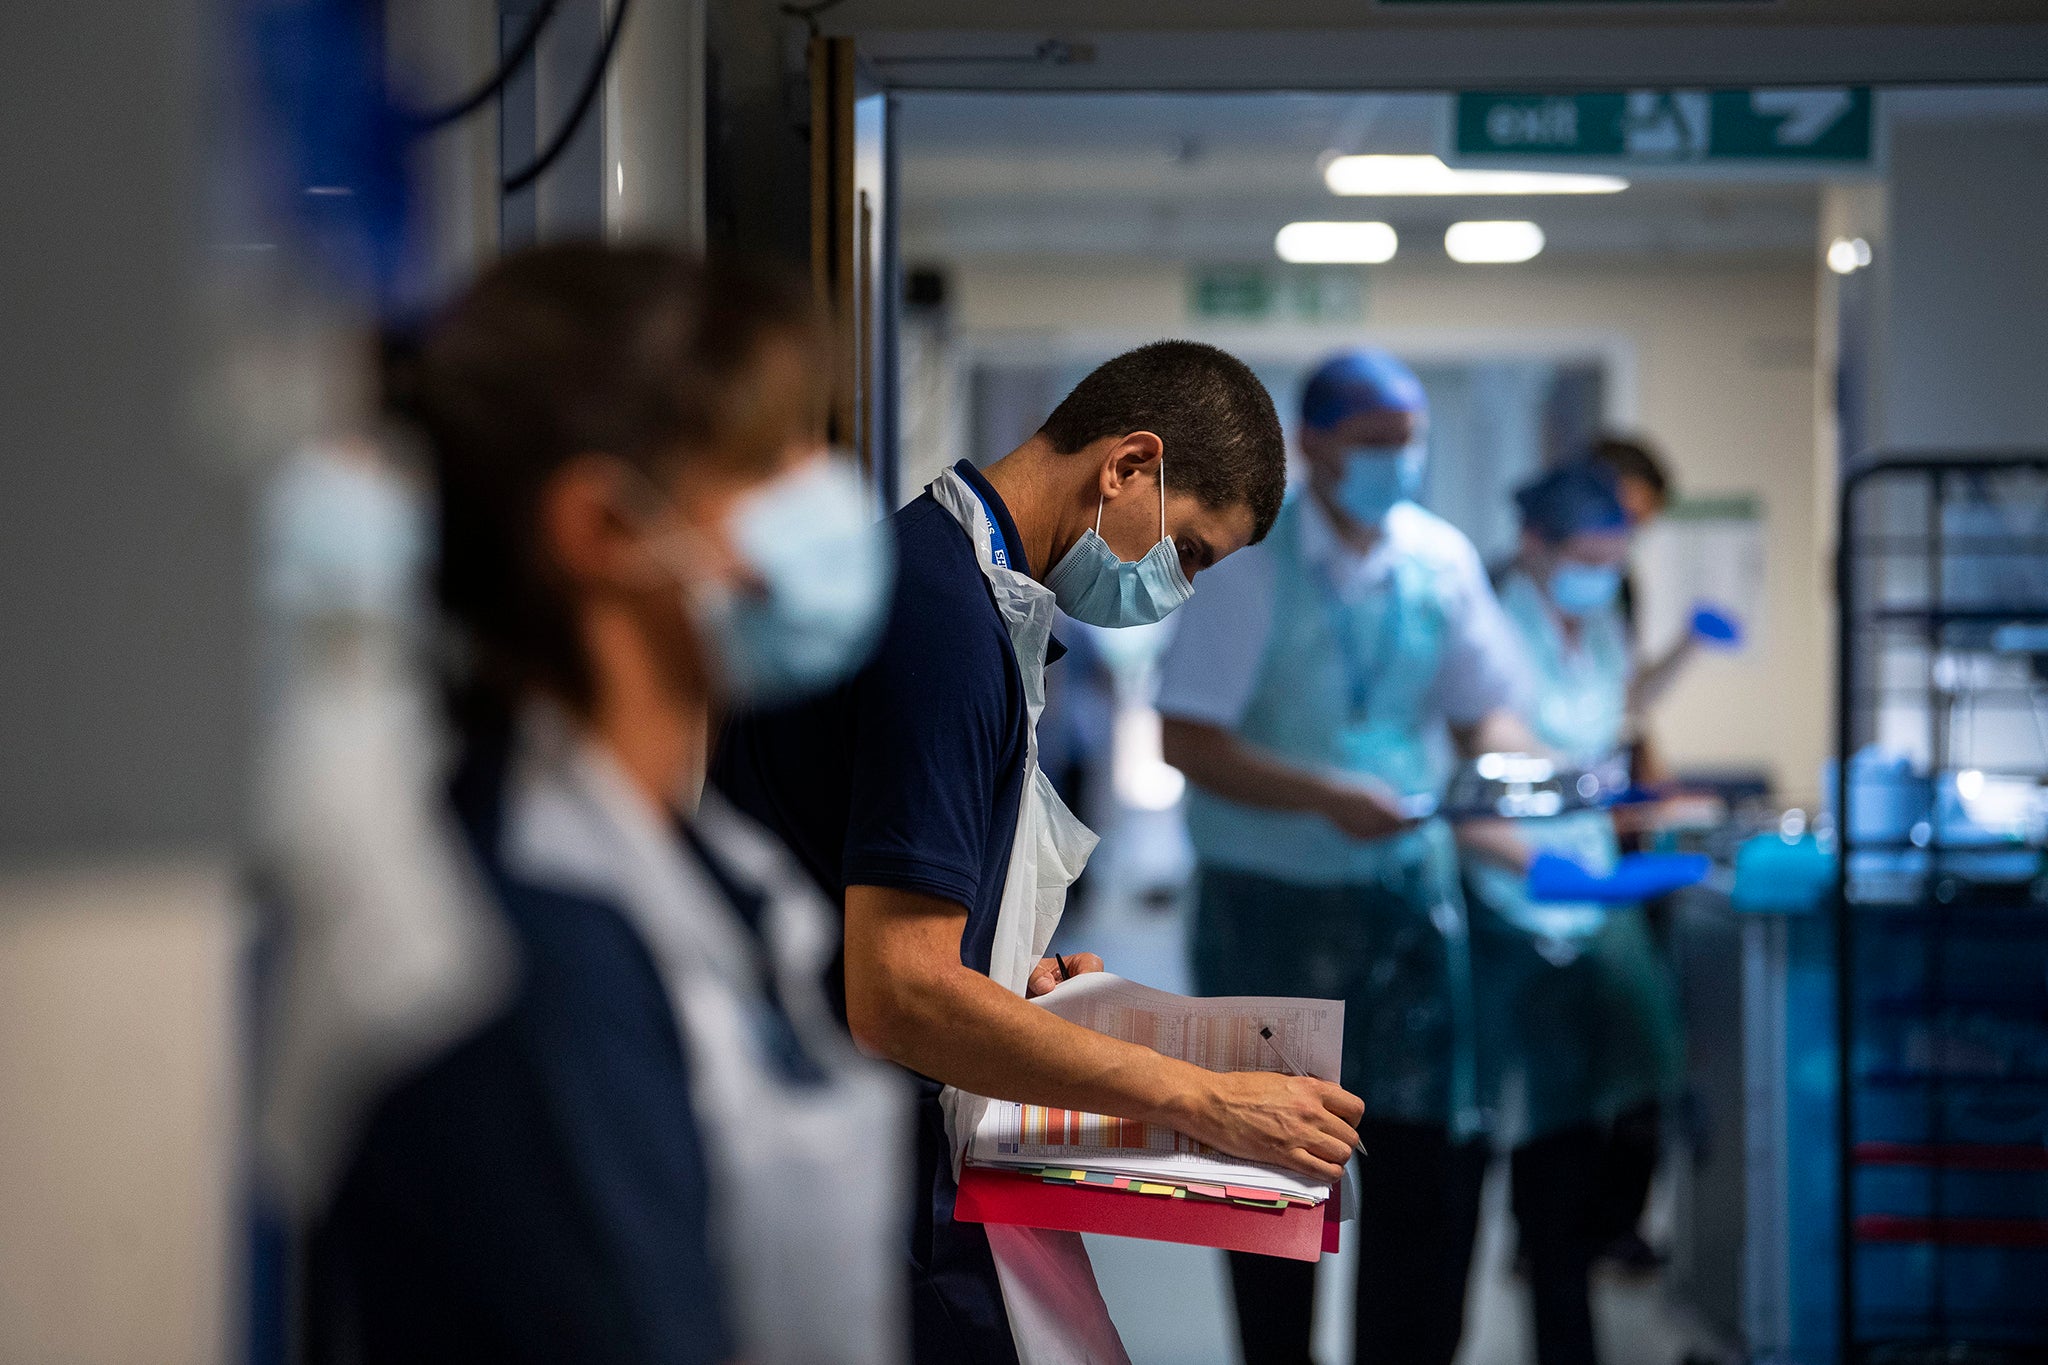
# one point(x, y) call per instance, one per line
point(1247, 293)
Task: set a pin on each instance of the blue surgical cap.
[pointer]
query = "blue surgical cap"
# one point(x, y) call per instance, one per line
point(1569, 500)
point(1354, 382)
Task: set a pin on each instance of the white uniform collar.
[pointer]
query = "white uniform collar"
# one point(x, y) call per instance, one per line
point(575, 822)
point(1343, 561)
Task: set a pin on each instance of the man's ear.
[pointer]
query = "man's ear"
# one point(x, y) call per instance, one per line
point(1128, 457)
point(586, 532)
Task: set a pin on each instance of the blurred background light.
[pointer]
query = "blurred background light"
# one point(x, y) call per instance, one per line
point(1358, 175)
point(1336, 243)
point(1847, 255)
point(1492, 243)
point(1140, 773)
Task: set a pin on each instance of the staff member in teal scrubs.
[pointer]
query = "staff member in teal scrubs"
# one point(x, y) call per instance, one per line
point(1317, 679)
point(1579, 1023)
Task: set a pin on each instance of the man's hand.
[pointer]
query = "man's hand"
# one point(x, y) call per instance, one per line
point(1046, 974)
point(1363, 809)
point(1297, 1122)
point(910, 999)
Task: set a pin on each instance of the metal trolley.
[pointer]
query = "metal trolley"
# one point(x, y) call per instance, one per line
point(1941, 917)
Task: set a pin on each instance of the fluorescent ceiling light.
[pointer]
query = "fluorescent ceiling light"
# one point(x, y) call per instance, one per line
point(1847, 255)
point(1336, 243)
point(1429, 175)
point(1501, 243)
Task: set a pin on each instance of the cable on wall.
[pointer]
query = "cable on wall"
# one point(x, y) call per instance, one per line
point(585, 97)
point(431, 120)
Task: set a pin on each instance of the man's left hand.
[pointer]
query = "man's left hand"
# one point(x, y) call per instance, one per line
point(1046, 974)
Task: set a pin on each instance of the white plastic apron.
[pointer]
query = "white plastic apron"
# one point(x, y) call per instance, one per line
point(808, 1179)
point(1574, 701)
point(1056, 1312)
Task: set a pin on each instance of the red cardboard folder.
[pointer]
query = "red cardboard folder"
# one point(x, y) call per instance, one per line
point(1298, 1233)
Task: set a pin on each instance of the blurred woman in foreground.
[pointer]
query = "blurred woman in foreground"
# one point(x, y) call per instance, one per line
point(661, 1149)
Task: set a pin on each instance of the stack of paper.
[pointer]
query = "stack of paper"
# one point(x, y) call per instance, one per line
point(1220, 1034)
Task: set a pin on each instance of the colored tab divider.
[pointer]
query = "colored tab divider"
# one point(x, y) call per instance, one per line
point(1231, 1194)
point(1274, 1228)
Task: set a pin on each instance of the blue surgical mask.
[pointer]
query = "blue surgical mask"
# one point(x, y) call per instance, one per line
point(1582, 589)
point(1091, 584)
point(347, 537)
point(1377, 477)
point(824, 566)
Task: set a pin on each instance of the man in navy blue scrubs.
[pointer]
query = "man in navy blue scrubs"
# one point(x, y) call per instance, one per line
point(902, 791)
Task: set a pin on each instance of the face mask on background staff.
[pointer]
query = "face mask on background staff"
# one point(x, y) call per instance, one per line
point(1092, 585)
point(344, 536)
point(1377, 477)
point(1582, 589)
point(823, 567)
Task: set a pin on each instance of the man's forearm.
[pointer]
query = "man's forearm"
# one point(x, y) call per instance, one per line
point(1653, 680)
point(911, 1000)
point(965, 1030)
point(1217, 761)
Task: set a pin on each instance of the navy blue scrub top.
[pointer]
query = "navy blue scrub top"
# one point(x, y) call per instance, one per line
point(911, 776)
point(538, 1193)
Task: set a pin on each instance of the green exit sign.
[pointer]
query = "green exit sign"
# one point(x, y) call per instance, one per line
point(1249, 293)
point(1659, 126)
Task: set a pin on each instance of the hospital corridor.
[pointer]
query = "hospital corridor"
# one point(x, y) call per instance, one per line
point(875, 682)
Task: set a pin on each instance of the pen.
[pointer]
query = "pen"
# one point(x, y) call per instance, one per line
point(1064, 973)
point(1266, 1032)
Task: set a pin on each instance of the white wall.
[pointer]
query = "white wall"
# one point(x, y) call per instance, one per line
point(1714, 361)
point(119, 1237)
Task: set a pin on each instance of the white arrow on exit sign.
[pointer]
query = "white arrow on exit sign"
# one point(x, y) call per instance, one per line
point(1803, 114)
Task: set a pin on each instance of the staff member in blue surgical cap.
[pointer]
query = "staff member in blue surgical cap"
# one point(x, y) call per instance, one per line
point(1635, 1138)
point(1577, 1016)
point(915, 796)
point(1317, 680)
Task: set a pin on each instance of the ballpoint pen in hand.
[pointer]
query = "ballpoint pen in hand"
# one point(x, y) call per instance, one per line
point(1061, 962)
point(1266, 1032)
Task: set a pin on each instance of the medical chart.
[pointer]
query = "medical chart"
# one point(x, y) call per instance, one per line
point(1220, 1033)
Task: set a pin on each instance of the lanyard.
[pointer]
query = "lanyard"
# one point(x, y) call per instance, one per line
point(998, 543)
point(1360, 673)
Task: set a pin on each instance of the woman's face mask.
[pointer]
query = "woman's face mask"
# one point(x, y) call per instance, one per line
point(820, 568)
point(1377, 477)
point(1091, 584)
point(1579, 589)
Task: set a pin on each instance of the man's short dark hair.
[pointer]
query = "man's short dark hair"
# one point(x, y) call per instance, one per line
point(1208, 409)
point(1633, 458)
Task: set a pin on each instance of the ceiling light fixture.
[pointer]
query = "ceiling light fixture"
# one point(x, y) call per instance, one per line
point(1500, 243)
point(1336, 243)
point(1429, 175)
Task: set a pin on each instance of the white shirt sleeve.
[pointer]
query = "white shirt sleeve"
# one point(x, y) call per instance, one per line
point(1482, 661)
point(1212, 664)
